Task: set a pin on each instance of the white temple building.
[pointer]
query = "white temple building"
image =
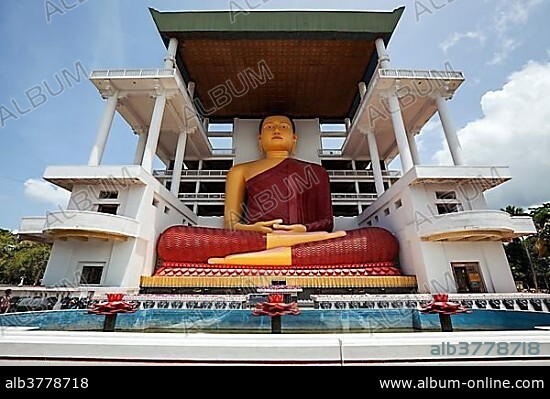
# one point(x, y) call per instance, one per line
point(332, 72)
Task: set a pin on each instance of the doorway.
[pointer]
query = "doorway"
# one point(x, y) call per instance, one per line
point(468, 277)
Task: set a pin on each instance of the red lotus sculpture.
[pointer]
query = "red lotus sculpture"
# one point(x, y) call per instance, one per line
point(114, 305)
point(440, 304)
point(276, 307)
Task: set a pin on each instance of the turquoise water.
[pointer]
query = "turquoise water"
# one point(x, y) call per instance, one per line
point(309, 321)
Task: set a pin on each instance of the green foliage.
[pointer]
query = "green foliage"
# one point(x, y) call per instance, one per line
point(531, 254)
point(21, 259)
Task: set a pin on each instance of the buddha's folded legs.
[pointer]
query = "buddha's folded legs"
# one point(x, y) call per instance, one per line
point(217, 246)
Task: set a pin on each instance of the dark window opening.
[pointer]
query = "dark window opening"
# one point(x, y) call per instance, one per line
point(217, 164)
point(212, 187)
point(345, 210)
point(91, 275)
point(367, 188)
point(108, 194)
point(443, 209)
point(343, 188)
point(191, 165)
point(187, 187)
point(111, 209)
point(210, 210)
point(330, 164)
point(364, 165)
point(445, 195)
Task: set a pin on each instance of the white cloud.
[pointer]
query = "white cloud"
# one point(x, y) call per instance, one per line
point(509, 14)
point(514, 132)
point(506, 47)
point(513, 12)
point(46, 192)
point(457, 37)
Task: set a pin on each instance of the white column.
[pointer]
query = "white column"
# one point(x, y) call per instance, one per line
point(375, 162)
point(400, 133)
point(138, 157)
point(178, 162)
point(154, 133)
point(450, 131)
point(191, 89)
point(395, 110)
point(383, 55)
point(347, 122)
point(362, 89)
point(414, 149)
point(103, 132)
point(170, 59)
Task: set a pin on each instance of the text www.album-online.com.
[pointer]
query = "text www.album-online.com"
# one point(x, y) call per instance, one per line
point(481, 383)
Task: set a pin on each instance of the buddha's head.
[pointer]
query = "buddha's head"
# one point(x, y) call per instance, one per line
point(277, 134)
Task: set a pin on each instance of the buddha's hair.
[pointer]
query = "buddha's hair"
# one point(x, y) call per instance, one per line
point(277, 114)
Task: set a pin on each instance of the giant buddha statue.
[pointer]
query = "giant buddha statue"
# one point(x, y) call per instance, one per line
point(278, 214)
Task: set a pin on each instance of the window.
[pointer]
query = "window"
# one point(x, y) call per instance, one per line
point(155, 202)
point(387, 211)
point(91, 273)
point(369, 223)
point(166, 210)
point(468, 277)
point(376, 219)
point(108, 208)
point(345, 210)
point(445, 195)
point(443, 209)
point(398, 204)
point(108, 194)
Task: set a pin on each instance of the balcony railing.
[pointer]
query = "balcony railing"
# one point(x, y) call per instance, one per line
point(221, 197)
point(223, 151)
point(467, 225)
point(167, 174)
point(330, 153)
point(94, 223)
point(202, 197)
point(362, 173)
point(133, 73)
point(354, 197)
point(420, 74)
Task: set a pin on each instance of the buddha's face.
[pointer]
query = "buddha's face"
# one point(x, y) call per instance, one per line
point(277, 134)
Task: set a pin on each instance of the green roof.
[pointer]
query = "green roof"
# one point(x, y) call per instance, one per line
point(316, 57)
point(278, 21)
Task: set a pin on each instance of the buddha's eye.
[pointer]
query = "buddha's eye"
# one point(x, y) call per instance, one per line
point(284, 127)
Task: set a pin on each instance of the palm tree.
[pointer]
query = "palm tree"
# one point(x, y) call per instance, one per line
point(541, 217)
point(514, 210)
point(518, 211)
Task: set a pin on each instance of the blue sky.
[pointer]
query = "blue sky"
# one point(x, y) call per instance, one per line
point(502, 111)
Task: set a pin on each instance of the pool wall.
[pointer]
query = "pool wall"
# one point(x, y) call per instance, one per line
point(310, 320)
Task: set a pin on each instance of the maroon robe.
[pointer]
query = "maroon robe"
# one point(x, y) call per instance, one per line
point(296, 191)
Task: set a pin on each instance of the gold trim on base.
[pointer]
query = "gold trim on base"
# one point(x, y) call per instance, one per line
point(257, 281)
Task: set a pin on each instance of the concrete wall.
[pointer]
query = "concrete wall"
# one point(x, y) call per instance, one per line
point(125, 261)
point(65, 263)
point(431, 261)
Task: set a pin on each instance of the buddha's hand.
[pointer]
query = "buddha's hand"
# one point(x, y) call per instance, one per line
point(291, 228)
point(262, 227)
